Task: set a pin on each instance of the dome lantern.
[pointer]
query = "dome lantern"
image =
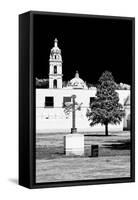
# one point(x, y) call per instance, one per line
point(77, 74)
point(55, 42)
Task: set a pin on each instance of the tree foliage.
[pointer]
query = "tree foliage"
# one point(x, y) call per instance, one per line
point(42, 83)
point(106, 109)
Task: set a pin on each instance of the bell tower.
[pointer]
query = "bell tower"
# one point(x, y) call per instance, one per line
point(55, 67)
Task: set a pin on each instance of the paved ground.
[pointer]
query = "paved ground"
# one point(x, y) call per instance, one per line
point(53, 165)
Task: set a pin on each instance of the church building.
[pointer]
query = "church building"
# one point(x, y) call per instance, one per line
point(50, 102)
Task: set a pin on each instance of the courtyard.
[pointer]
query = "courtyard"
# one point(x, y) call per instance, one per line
point(52, 165)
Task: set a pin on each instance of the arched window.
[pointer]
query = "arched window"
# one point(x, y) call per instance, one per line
point(55, 83)
point(55, 69)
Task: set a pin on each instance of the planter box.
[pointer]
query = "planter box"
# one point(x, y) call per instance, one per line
point(74, 144)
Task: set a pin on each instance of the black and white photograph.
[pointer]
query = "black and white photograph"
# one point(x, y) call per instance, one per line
point(83, 67)
point(68, 100)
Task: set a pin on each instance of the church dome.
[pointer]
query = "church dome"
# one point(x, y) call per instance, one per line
point(55, 49)
point(77, 82)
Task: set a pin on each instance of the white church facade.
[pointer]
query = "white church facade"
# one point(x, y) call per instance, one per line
point(50, 102)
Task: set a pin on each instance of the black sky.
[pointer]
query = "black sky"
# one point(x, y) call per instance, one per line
point(89, 45)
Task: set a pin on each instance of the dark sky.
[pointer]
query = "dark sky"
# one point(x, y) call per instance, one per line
point(89, 45)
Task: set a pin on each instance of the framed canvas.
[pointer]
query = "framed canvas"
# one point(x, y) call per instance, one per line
point(76, 99)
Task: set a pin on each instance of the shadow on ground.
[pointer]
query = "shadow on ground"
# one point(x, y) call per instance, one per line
point(119, 145)
point(13, 180)
point(100, 135)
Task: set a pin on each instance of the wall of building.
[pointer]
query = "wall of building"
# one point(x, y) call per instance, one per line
point(55, 119)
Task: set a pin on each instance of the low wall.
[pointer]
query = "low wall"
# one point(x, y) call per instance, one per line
point(47, 125)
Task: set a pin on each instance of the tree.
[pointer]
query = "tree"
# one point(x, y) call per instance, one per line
point(105, 108)
point(64, 84)
point(42, 83)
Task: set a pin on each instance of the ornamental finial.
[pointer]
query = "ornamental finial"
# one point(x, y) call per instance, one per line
point(77, 74)
point(55, 42)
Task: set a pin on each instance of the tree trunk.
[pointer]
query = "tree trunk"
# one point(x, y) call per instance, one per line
point(106, 129)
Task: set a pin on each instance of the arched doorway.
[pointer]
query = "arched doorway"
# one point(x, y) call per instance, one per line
point(55, 83)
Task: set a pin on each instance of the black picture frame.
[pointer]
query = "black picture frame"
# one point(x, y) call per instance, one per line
point(27, 105)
